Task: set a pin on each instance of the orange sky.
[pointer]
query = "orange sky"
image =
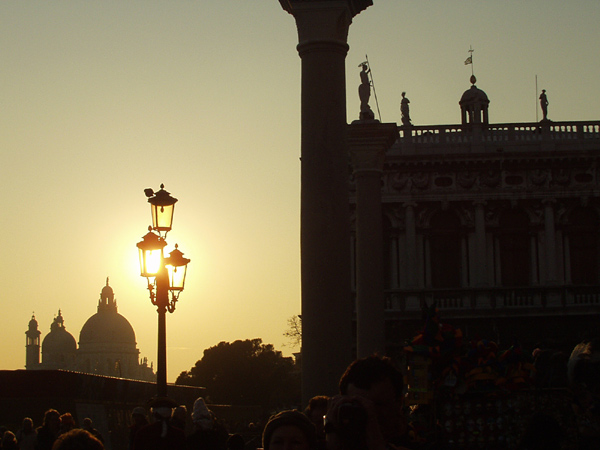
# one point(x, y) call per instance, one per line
point(103, 99)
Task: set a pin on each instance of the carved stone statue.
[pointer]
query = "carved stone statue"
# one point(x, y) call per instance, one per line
point(544, 104)
point(364, 93)
point(404, 109)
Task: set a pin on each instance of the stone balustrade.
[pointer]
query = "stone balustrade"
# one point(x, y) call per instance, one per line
point(507, 133)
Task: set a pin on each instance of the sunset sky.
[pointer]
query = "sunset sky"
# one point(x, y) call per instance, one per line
point(101, 99)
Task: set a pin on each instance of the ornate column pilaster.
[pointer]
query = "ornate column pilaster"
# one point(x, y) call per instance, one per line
point(394, 255)
point(550, 241)
point(325, 229)
point(411, 244)
point(480, 244)
point(534, 263)
point(567, 251)
point(367, 142)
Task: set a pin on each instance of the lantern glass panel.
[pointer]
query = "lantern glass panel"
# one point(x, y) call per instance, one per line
point(162, 217)
point(176, 277)
point(150, 262)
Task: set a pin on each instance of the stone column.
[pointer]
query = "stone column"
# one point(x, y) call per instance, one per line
point(325, 229)
point(464, 261)
point(394, 254)
point(567, 250)
point(534, 259)
point(483, 299)
point(367, 142)
point(550, 242)
point(411, 244)
point(480, 245)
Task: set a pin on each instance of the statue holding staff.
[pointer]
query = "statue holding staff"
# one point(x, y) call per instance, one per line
point(364, 93)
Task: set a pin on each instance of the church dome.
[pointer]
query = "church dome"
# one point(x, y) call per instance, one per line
point(59, 340)
point(107, 326)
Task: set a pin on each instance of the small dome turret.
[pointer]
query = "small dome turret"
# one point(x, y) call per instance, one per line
point(474, 105)
point(33, 324)
point(107, 299)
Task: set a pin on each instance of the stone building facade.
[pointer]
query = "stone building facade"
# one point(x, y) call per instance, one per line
point(498, 224)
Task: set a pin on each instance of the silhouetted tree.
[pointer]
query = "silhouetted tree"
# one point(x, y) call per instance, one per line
point(245, 373)
point(294, 332)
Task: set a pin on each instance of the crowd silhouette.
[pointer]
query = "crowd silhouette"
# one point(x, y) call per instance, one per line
point(368, 413)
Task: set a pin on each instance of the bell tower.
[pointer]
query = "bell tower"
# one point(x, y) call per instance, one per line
point(32, 345)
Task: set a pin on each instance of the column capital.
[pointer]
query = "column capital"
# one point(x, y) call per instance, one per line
point(323, 21)
point(354, 6)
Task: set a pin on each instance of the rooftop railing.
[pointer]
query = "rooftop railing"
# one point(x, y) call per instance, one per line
point(508, 132)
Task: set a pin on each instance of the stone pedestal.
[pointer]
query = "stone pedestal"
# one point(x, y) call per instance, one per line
point(367, 142)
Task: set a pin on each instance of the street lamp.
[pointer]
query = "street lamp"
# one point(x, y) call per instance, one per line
point(164, 274)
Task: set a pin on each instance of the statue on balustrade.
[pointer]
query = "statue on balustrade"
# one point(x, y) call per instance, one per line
point(544, 104)
point(405, 110)
point(364, 93)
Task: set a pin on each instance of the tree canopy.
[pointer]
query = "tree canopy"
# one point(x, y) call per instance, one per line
point(245, 373)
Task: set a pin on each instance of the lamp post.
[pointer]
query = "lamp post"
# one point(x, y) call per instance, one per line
point(164, 274)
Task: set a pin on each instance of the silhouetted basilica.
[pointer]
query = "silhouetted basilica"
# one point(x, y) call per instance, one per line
point(107, 345)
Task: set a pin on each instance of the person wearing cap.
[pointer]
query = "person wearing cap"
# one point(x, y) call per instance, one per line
point(208, 434)
point(160, 434)
point(289, 430)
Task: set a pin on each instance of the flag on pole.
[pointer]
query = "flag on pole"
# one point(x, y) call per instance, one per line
point(469, 60)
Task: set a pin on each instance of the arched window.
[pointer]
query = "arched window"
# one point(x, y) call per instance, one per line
point(515, 248)
point(583, 246)
point(445, 250)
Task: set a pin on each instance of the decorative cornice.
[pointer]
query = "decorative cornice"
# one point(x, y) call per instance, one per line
point(326, 21)
point(354, 6)
point(455, 179)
